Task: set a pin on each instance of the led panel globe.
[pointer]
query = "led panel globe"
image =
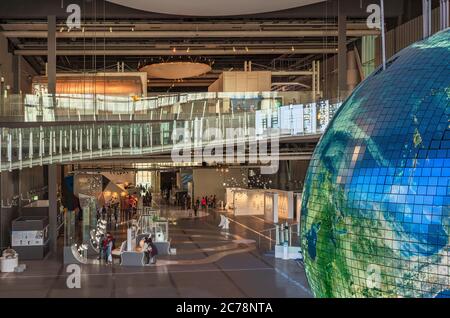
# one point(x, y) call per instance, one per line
point(376, 202)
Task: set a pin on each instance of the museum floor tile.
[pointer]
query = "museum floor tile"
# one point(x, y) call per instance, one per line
point(208, 263)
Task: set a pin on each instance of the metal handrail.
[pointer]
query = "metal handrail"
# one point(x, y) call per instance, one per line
point(270, 230)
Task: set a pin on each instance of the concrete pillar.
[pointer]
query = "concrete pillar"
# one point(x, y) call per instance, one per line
point(51, 55)
point(53, 205)
point(342, 51)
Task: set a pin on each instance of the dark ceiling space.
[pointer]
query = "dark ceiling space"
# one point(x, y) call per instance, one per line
point(283, 40)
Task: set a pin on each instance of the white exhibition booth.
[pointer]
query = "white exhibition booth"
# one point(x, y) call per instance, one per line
point(272, 204)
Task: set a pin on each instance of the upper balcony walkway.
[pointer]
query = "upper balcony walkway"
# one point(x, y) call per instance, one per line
point(40, 130)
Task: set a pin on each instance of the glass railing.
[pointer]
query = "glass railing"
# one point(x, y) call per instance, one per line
point(39, 108)
point(44, 137)
point(37, 143)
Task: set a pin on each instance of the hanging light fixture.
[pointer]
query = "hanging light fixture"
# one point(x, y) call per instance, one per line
point(176, 67)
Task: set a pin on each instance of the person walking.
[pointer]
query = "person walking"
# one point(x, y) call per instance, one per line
point(116, 214)
point(101, 249)
point(195, 209)
point(104, 212)
point(203, 203)
point(188, 200)
point(153, 251)
point(104, 247)
point(109, 248)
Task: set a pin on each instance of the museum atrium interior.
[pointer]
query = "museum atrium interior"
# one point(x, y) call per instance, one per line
point(286, 149)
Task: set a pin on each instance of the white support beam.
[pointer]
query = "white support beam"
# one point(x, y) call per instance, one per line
point(444, 14)
point(426, 8)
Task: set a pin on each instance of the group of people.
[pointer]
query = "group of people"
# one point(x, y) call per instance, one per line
point(106, 212)
point(208, 202)
point(185, 201)
point(205, 203)
point(147, 199)
point(107, 245)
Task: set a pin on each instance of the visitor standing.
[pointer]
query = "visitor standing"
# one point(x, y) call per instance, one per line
point(109, 248)
point(203, 203)
point(116, 213)
point(104, 212)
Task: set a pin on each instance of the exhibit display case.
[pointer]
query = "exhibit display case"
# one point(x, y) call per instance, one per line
point(89, 207)
point(274, 204)
point(29, 237)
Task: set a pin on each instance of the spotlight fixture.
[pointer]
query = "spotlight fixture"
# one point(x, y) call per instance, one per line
point(246, 49)
point(110, 29)
point(234, 49)
point(174, 50)
point(292, 48)
point(188, 50)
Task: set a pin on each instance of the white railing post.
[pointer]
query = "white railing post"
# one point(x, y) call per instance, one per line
point(110, 141)
point(20, 148)
point(9, 153)
point(70, 143)
point(61, 145)
point(30, 148)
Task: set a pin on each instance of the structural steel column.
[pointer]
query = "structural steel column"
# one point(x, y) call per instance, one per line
point(51, 54)
point(342, 50)
point(444, 10)
point(426, 8)
point(53, 205)
point(16, 74)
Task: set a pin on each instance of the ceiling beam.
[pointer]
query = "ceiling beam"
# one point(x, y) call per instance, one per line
point(292, 73)
point(101, 52)
point(192, 34)
point(189, 26)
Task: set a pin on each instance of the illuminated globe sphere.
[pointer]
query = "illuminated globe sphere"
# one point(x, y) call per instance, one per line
point(376, 202)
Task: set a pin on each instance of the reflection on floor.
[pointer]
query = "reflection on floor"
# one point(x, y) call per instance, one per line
point(208, 263)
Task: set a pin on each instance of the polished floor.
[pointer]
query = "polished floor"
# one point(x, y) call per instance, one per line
point(208, 263)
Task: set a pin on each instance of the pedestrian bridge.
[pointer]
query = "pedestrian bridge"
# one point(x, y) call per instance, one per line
point(61, 130)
